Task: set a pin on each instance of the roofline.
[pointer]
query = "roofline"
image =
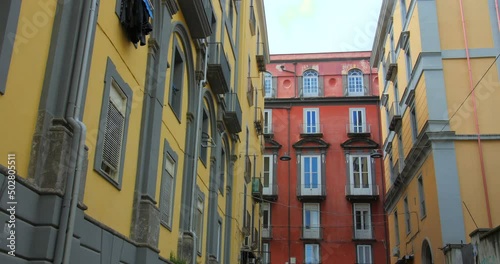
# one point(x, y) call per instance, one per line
point(384, 19)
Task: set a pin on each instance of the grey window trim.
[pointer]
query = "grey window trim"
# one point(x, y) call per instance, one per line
point(7, 37)
point(112, 73)
point(176, 48)
point(167, 150)
point(200, 195)
point(203, 155)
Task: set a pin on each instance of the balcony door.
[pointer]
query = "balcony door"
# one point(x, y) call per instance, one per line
point(357, 120)
point(268, 175)
point(360, 175)
point(311, 227)
point(362, 221)
point(311, 173)
point(311, 121)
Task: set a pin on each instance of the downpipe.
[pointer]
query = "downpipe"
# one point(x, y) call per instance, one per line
point(196, 151)
point(71, 194)
point(476, 118)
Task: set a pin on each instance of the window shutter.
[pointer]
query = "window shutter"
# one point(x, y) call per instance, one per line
point(164, 201)
point(344, 84)
point(113, 137)
point(274, 89)
point(366, 84)
point(321, 87)
point(299, 85)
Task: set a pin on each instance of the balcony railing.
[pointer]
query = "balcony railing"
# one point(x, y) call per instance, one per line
point(268, 129)
point(311, 192)
point(309, 232)
point(363, 233)
point(259, 121)
point(362, 191)
point(232, 114)
point(311, 129)
point(218, 71)
point(394, 116)
point(270, 193)
point(257, 189)
point(198, 15)
point(261, 58)
point(267, 232)
point(358, 130)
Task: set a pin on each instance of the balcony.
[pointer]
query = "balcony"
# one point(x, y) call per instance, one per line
point(394, 117)
point(311, 130)
point(268, 130)
point(261, 58)
point(358, 130)
point(257, 189)
point(252, 21)
point(270, 193)
point(218, 72)
point(198, 15)
point(311, 233)
point(392, 70)
point(267, 232)
point(357, 192)
point(259, 121)
point(363, 234)
point(311, 192)
point(232, 113)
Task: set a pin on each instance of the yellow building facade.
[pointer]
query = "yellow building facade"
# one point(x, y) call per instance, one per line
point(135, 130)
point(439, 77)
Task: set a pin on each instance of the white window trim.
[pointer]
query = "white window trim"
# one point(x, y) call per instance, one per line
point(314, 229)
point(360, 250)
point(268, 123)
point(354, 76)
point(266, 258)
point(310, 75)
point(363, 233)
point(268, 83)
point(310, 190)
point(314, 126)
point(316, 254)
point(269, 190)
point(360, 190)
point(353, 126)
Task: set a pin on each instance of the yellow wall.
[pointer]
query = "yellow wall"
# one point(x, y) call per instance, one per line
point(31, 47)
point(427, 227)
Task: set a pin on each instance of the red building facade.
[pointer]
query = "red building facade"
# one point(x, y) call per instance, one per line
point(322, 178)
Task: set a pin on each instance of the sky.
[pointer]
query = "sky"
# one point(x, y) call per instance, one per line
point(312, 26)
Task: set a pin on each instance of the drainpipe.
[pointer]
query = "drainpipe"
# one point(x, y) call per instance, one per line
point(476, 118)
point(70, 199)
point(197, 150)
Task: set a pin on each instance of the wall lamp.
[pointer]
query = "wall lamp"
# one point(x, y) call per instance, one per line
point(376, 154)
point(286, 157)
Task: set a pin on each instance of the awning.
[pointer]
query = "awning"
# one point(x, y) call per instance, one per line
point(149, 7)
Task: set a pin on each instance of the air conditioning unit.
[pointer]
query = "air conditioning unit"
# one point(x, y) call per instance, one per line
point(395, 252)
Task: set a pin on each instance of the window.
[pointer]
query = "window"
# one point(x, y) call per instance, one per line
point(393, 173)
point(198, 220)
point(355, 83)
point(268, 175)
point(311, 254)
point(396, 227)
point(9, 16)
point(312, 227)
point(176, 80)
point(268, 85)
point(408, 63)
point(357, 123)
point(112, 137)
point(401, 152)
point(222, 170)
point(360, 174)
point(266, 220)
point(362, 221)
point(413, 120)
point(364, 254)
point(310, 83)
point(311, 121)
point(421, 197)
point(310, 176)
point(407, 216)
point(167, 190)
point(266, 258)
point(219, 240)
point(205, 137)
point(268, 121)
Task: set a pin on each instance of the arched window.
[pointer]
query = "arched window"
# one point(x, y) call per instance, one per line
point(310, 83)
point(268, 85)
point(355, 82)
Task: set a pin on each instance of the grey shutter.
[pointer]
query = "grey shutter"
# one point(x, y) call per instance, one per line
point(164, 193)
point(299, 85)
point(344, 84)
point(113, 137)
point(366, 84)
point(321, 87)
point(274, 87)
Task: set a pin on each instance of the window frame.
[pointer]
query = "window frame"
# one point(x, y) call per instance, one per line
point(268, 121)
point(413, 122)
point(199, 216)
point(355, 83)
point(268, 85)
point(311, 127)
point(366, 229)
point(314, 189)
point(8, 31)
point(175, 101)
point(361, 248)
point(360, 190)
point(112, 76)
point(313, 228)
point(354, 127)
point(269, 189)
point(407, 215)
point(266, 254)
point(421, 196)
point(266, 207)
point(316, 257)
point(396, 228)
point(168, 153)
point(312, 87)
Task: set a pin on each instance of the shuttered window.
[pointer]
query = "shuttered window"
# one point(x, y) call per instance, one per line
point(167, 190)
point(113, 135)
